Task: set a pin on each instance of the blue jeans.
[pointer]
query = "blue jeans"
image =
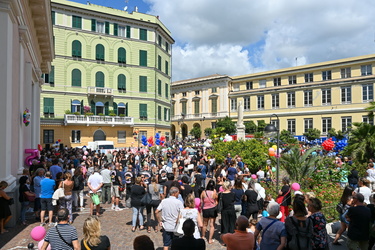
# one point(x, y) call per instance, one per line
point(137, 213)
point(24, 206)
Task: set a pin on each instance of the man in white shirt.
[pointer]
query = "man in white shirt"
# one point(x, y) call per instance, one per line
point(260, 174)
point(106, 174)
point(95, 184)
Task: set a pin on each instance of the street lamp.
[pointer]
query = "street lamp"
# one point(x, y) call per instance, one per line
point(271, 131)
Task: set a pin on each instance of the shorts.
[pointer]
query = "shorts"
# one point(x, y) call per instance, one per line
point(167, 238)
point(46, 204)
point(115, 192)
point(37, 204)
point(210, 213)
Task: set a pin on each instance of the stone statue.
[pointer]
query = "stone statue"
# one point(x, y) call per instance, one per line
point(240, 114)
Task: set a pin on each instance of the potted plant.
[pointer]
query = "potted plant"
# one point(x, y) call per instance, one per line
point(77, 113)
point(68, 112)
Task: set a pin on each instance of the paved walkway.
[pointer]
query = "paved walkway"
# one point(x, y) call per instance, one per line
point(117, 226)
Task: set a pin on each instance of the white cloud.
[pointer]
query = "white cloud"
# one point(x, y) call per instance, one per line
point(242, 36)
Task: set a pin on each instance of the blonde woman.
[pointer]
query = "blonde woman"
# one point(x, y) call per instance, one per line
point(67, 200)
point(153, 189)
point(91, 236)
point(190, 212)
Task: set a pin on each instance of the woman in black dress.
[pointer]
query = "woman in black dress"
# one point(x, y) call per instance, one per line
point(137, 192)
point(5, 213)
point(228, 214)
point(251, 199)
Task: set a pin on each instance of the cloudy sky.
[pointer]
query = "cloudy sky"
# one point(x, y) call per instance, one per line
point(245, 36)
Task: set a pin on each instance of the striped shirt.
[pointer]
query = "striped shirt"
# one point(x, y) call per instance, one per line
point(68, 232)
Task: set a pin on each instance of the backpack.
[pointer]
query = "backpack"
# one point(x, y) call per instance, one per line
point(299, 237)
point(76, 182)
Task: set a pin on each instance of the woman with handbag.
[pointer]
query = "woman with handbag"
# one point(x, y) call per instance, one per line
point(67, 200)
point(284, 198)
point(136, 194)
point(228, 214)
point(154, 190)
point(190, 212)
point(5, 201)
point(209, 202)
point(251, 196)
point(25, 197)
point(78, 187)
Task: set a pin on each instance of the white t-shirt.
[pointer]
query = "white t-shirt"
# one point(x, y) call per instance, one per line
point(370, 174)
point(366, 192)
point(260, 174)
point(95, 180)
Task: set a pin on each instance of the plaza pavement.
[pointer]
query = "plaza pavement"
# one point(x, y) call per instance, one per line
point(117, 226)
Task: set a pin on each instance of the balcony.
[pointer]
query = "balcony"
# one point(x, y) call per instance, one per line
point(98, 120)
point(99, 91)
point(214, 115)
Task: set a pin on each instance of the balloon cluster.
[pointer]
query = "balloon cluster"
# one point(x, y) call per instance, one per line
point(159, 140)
point(38, 234)
point(144, 140)
point(328, 145)
point(340, 145)
point(274, 151)
point(150, 141)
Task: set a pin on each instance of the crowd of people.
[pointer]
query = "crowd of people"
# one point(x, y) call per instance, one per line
point(184, 193)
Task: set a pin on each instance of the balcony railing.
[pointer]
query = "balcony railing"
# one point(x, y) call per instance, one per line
point(98, 120)
point(99, 91)
point(199, 116)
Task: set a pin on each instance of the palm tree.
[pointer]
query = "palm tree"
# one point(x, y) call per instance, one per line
point(371, 109)
point(361, 143)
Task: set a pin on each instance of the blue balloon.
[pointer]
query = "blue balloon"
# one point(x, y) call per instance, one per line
point(157, 141)
point(157, 136)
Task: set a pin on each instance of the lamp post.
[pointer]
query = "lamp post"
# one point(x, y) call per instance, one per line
point(270, 131)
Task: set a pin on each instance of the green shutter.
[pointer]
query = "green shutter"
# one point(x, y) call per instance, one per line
point(92, 105)
point(71, 105)
point(126, 109)
point(82, 107)
point(76, 78)
point(121, 82)
point(166, 90)
point(77, 22)
point(121, 55)
point(166, 67)
point(115, 108)
point(143, 58)
point(53, 15)
point(76, 48)
point(93, 25)
point(159, 63)
point(45, 105)
point(142, 83)
point(52, 75)
point(143, 34)
point(165, 114)
point(107, 27)
point(99, 79)
point(100, 52)
point(159, 87)
point(106, 108)
point(127, 31)
point(115, 29)
point(159, 113)
point(142, 110)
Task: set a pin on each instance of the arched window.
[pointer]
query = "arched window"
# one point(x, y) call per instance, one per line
point(121, 109)
point(99, 106)
point(121, 55)
point(99, 135)
point(99, 52)
point(99, 79)
point(76, 106)
point(76, 49)
point(76, 78)
point(121, 83)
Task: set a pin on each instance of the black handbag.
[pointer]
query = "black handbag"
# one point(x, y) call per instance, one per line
point(10, 201)
point(146, 199)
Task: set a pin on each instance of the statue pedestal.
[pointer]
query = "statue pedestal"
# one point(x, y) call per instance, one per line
point(240, 132)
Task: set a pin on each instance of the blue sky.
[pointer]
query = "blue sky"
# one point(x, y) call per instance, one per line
point(241, 36)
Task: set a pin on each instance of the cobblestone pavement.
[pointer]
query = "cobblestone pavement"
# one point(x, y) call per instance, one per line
point(116, 225)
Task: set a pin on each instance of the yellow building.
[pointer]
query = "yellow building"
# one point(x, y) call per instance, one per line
point(198, 102)
point(110, 78)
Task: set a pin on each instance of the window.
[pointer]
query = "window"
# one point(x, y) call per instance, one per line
point(275, 101)
point(122, 31)
point(107, 27)
point(159, 87)
point(236, 87)
point(213, 125)
point(367, 92)
point(260, 102)
point(346, 123)
point(292, 126)
point(275, 123)
point(183, 108)
point(143, 34)
point(309, 77)
point(346, 94)
point(142, 133)
point(166, 67)
point(366, 70)
point(76, 136)
point(167, 46)
point(121, 55)
point(197, 92)
point(48, 106)
point(277, 81)
point(233, 104)
point(326, 125)
point(99, 108)
point(115, 29)
point(196, 107)
point(214, 90)
point(214, 106)
point(262, 84)
point(143, 111)
point(48, 136)
point(184, 94)
point(53, 16)
point(159, 63)
point(173, 108)
point(142, 83)
point(326, 96)
point(99, 79)
point(76, 49)
point(99, 52)
point(346, 73)
point(159, 113)
point(50, 78)
point(121, 136)
point(292, 79)
point(120, 108)
point(143, 58)
point(93, 25)
point(128, 35)
point(76, 106)
point(159, 40)
point(249, 85)
point(326, 75)
point(100, 28)
point(291, 99)
point(246, 103)
point(77, 22)
point(166, 114)
point(76, 78)
point(366, 119)
point(166, 90)
point(121, 83)
point(308, 122)
point(307, 97)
